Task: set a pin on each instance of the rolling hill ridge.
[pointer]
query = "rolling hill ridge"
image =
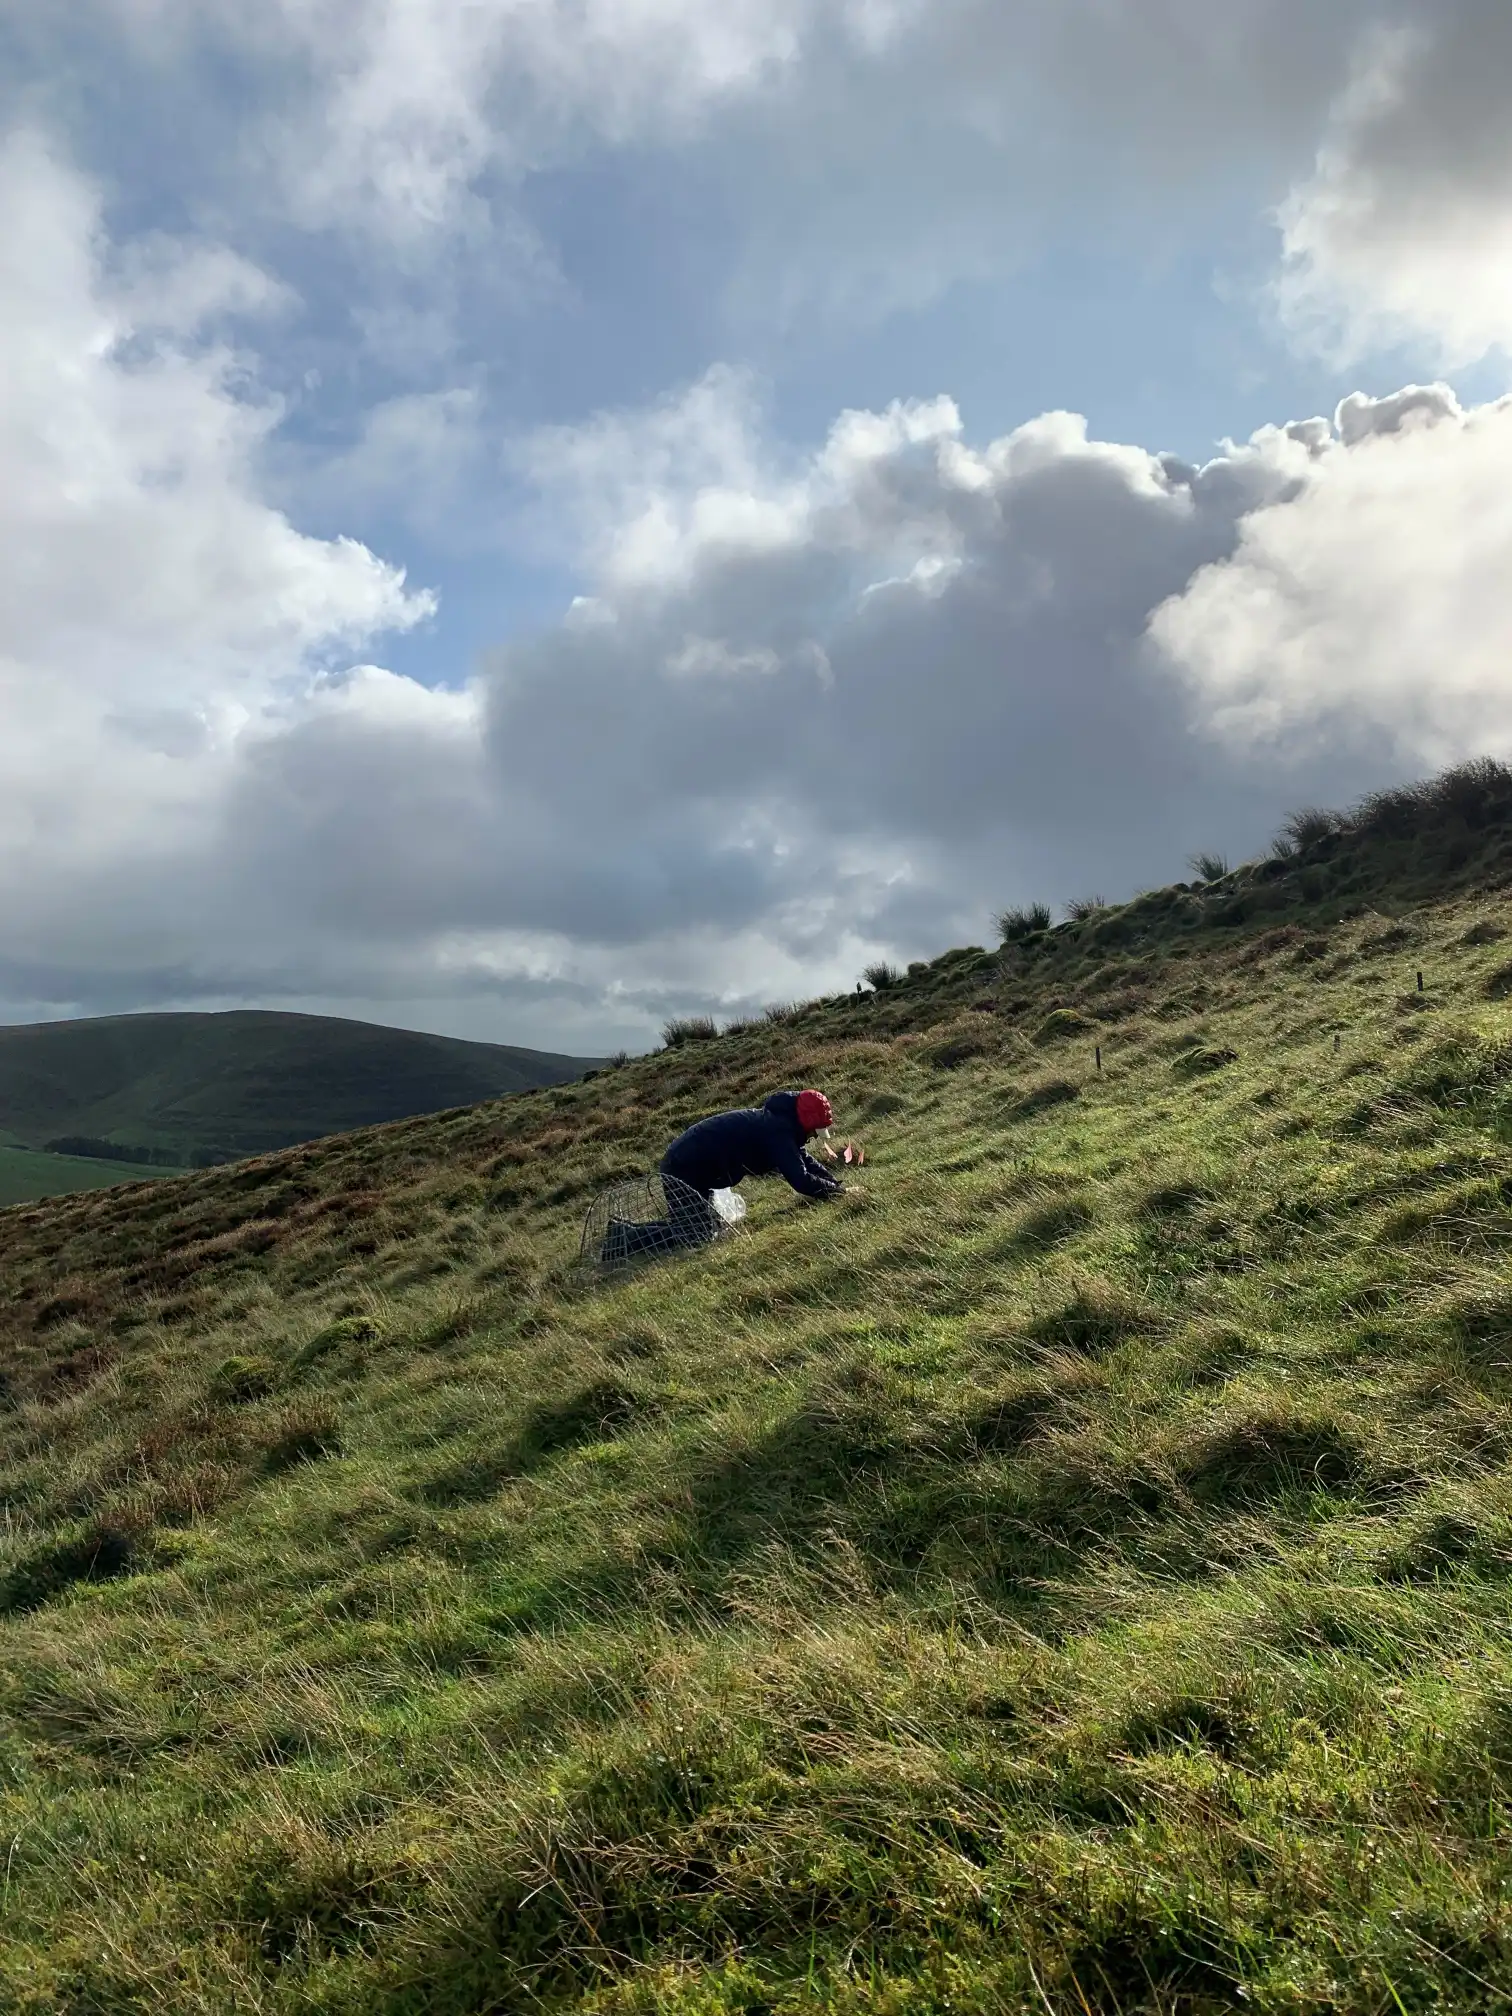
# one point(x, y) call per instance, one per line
point(1072, 1574)
point(201, 1088)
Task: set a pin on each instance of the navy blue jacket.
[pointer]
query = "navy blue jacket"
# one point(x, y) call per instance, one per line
point(766, 1140)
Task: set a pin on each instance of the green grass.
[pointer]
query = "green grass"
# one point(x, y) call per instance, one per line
point(1072, 1576)
point(215, 1087)
point(26, 1174)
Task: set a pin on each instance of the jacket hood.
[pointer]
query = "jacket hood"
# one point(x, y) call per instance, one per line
point(783, 1106)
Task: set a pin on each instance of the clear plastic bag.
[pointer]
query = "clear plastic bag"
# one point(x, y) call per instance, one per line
point(730, 1205)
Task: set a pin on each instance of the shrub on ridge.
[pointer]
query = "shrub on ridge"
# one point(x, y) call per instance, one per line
point(688, 1029)
point(1023, 922)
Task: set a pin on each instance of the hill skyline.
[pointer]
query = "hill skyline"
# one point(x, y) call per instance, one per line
point(214, 1086)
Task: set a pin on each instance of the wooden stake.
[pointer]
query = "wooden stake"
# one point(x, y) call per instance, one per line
point(1420, 983)
point(1099, 1056)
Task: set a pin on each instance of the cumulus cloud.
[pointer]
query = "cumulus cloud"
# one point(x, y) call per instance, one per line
point(867, 145)
point(134, 546)
point(850, 701)
point(394, 109)
point(150, 602)
point(828, 705)
point(1404, 228)
point(867, 153)
point(920, 654)
point(1379, 594)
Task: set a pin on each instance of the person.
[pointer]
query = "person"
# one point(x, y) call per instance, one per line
point(719, 1153)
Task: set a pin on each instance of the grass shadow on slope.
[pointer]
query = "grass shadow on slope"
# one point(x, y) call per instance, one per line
point(596, 1412)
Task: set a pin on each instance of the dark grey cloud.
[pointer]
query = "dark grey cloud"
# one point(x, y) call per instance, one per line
point(818, 711)
point(908, 684)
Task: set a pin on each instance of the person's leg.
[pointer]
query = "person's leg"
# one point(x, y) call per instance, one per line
point(691, 1216)
point(691, 1220)
point(632, 1239)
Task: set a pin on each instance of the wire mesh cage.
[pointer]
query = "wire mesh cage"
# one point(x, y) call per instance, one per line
point(648, 1217)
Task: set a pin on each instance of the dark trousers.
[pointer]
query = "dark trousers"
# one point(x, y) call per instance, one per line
point(691, 1220)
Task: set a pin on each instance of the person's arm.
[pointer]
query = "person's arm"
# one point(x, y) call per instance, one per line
point(806, 1175)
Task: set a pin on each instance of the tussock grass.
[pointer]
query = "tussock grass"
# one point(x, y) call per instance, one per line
point(689, 1029)
point(1024, 922)
point(1076, 1574)
point(1309, 827)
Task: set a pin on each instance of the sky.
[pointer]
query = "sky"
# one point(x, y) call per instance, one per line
point(530, 518)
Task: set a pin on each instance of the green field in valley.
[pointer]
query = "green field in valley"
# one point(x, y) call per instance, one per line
point(1074, 1575)
point(27, 1173)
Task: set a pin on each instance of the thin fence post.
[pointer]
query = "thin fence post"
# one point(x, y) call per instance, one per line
point(1337, 1041)
point(1099, 1056)
point(1420, 983)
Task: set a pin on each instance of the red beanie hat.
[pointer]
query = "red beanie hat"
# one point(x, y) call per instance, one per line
point(814, 1112)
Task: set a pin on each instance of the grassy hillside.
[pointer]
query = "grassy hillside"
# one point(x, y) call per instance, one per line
point(242, 1083)
point(26, 1174)
point(1072, 1576)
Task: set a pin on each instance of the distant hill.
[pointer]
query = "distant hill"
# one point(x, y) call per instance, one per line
point(187, 1089)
